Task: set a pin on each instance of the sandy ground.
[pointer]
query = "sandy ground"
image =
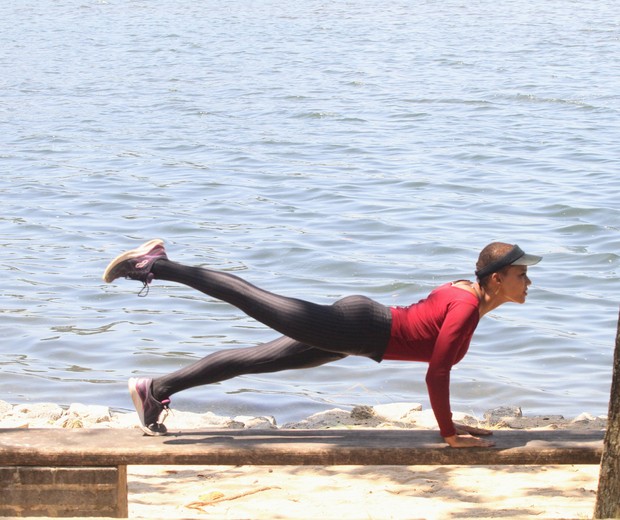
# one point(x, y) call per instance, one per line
point(362, 492)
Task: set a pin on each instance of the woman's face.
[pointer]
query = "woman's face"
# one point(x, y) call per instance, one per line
point(513, 283)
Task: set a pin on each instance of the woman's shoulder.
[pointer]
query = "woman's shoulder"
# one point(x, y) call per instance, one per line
point(460, 290)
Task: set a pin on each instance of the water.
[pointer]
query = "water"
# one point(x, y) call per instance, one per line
point(319, 149)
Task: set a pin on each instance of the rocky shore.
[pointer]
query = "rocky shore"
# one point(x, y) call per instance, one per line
point(394, 415)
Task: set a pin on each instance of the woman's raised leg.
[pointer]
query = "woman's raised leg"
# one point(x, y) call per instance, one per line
point(354, 325)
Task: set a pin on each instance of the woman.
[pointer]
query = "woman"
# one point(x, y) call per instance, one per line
point(436, 330)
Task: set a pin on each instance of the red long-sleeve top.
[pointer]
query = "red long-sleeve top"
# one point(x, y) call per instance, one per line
point(438, 330)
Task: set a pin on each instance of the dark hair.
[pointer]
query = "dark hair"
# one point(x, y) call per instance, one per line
point(490, 255)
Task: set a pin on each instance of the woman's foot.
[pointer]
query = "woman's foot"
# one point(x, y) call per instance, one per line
point(136, 264)
point(149, 409)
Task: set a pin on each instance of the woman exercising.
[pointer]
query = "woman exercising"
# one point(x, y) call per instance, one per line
point(436, 330)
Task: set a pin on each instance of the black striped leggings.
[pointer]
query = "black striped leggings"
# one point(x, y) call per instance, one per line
point(313, 334)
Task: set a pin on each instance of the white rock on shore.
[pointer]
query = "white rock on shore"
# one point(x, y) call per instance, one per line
point(393, 415)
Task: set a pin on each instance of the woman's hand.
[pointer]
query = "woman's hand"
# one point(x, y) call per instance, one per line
point(465, 440)
point(466, 437)
point(472, 430)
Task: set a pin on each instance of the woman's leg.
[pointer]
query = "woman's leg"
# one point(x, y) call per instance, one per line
point(354, 325)
point(151, 397)
point(313, 334)
point(280, 354)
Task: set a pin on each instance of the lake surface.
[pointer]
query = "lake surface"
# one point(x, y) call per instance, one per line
point(318, 149)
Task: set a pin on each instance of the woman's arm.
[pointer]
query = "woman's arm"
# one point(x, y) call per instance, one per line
point(450, 347)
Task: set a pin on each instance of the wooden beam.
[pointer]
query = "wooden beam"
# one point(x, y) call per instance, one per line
point(111, 447)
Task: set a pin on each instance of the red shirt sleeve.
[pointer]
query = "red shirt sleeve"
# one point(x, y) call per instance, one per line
point(451, 345)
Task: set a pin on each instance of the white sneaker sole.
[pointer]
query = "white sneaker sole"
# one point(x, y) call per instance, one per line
point(137, 403)
point(128, 255)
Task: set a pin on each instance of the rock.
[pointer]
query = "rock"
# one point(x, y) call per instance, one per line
point(125, 420)
point(398, 412)
point(503, 413)
point(362, 413)
point(5, 409)
point(549, 422)
point(178, 420)
point(584, 417)
point(45, 412)
point(393, 415)
point(93, 414)
point(329, 419)
point(256, 423)
point(587, 421)
point(464, 418)
point(549, 418)
point(424, 419)
point(218, 421)
point(72, 422)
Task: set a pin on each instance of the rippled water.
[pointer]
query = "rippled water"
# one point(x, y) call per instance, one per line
point(319, 149)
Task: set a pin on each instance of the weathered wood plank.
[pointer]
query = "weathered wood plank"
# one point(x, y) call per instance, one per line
point(107, 447)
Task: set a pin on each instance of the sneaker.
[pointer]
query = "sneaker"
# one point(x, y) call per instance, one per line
point(149, 409)
point(136, 264)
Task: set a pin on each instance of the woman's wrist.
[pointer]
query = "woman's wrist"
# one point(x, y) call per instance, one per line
point(450, 439)
point(449, 432)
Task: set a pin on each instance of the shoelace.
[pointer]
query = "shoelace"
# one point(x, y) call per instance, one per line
point(145, 286)
point(144, 292)
point(166, 411)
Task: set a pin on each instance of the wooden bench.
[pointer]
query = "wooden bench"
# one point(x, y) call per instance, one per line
point(59, 472)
